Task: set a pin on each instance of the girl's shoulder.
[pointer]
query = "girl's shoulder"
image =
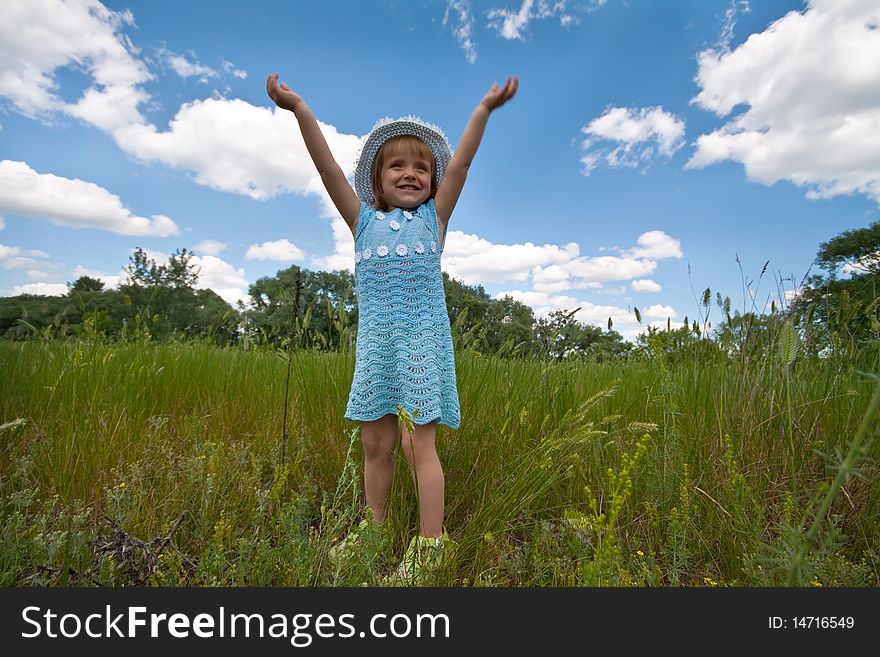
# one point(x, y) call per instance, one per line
point(366, 210)
point(428, 207)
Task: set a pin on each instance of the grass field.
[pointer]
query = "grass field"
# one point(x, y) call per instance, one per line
point(161, 464)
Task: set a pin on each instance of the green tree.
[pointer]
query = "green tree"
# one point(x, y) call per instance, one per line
point(560, 336)
point(327, 312)
point(143, 272)
point(675, 345)
point(21, 315)
point(857, 249)
point(462, 298)
point(86, 284)
point(749, 334)
point(164, 300)
point(507, 327)
point(180, 273)
point(841, 308)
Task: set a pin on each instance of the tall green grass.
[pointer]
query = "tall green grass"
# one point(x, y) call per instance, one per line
point(705, 472)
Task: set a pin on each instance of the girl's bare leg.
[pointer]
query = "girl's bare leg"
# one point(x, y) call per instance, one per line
point(379, 438)
point(420, 450)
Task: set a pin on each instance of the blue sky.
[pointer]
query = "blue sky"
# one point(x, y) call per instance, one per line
point(647, 139)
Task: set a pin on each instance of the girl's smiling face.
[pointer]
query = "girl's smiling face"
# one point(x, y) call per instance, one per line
point(405, 174)
point(406, 180)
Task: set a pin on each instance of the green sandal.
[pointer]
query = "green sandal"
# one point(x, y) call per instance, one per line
point(348, 546)
point(423, 556)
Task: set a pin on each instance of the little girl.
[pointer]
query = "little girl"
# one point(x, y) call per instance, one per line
point(406, 184)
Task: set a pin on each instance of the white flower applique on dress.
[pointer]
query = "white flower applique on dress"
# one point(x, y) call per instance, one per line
point(407, 214)
point(382, 251)
point(394, 225)
point(357, 257)
point(367, 254)
point(401, 249)
point(433, 247)
point(380, 215)
point(420, 248)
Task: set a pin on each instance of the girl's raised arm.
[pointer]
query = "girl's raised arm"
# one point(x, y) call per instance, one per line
point(456, 173)
point(341, 193)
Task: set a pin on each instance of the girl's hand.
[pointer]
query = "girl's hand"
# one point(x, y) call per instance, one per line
point(282, 95)
point(497, 96)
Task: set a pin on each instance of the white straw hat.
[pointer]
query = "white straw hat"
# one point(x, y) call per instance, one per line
point(388, 128)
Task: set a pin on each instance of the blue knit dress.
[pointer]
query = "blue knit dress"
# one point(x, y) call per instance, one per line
point(403, 354)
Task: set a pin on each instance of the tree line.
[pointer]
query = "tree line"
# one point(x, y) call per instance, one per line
point(833, 312)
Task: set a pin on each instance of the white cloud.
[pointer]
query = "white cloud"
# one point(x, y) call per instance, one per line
point(39, 274)
point(729, 24)
point(590, 162)
point(44, 289)
point(39, 36)
point(542, 303)
point(618, 291)
point(234, 146)
point(464, 29)
point(279, 250)
point(187, 69)
point(554, 269)
point(809, 89)
point(640, 136)
point(343, 256)
point(602, 269)
point(14, 257)
point(658, 312)
point(550, 279)
point(221, 277)
point(498, 262)
point(334, 262)
point(655, 245)
point(229, 67)
point(512, 24)
point(623, 319)
point(111, 281)
point(72, 202)
point(645, 285)
point(210, 247)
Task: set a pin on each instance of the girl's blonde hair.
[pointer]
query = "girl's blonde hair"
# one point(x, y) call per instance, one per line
point(403, 144)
